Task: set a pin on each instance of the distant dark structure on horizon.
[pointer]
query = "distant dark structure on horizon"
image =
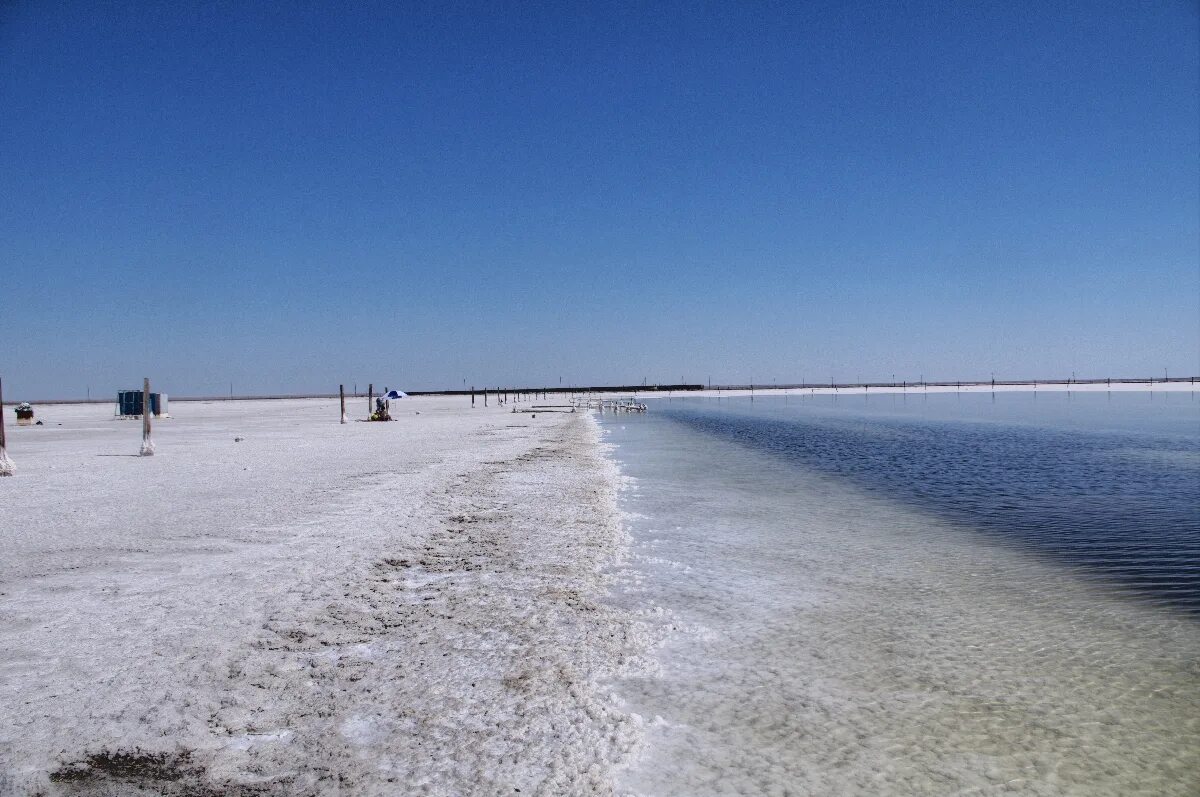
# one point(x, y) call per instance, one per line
point(564, 389)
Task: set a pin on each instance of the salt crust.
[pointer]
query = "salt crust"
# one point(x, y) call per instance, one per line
point(366, 609)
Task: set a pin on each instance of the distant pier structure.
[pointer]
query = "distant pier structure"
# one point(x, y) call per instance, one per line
point(609, 404)
point(129, 404)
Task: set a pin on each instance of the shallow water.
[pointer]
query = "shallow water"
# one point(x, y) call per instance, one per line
point(831, 621)
point(1108, 485)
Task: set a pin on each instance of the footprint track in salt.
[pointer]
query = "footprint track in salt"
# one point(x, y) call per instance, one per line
point(489, 663)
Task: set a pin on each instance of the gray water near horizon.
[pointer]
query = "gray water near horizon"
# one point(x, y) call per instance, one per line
point(876, 595)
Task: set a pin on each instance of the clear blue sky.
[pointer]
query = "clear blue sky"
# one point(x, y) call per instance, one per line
point(295, 195)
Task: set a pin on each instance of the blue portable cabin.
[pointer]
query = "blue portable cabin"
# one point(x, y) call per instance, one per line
point(129, 404)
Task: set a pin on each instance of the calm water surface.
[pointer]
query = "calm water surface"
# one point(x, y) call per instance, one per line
point(1107, 484)
point(890, 595)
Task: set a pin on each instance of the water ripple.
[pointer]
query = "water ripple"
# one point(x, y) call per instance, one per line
point(1117, 498)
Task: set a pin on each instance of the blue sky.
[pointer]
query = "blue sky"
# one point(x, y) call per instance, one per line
point(288, 196)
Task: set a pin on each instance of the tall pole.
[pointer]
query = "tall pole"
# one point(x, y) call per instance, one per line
point(342, 396)
point(6, 464)
point(472, 395)
point(370, 400)
point(147, 443)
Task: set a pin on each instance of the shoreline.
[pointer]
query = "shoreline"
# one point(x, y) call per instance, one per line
point(416, 605)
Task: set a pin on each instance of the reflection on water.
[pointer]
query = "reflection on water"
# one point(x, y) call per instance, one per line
point(1112, 486)
point(825, 628)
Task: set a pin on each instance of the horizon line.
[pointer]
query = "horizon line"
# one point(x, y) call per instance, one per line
point(658, 388)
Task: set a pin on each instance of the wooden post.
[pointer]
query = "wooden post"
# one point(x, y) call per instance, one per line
point(342, 396)
point(485, 397)
point(147, 443)
point(6, 464)
point(145, 407)
point(370, 400)
point(472, 396)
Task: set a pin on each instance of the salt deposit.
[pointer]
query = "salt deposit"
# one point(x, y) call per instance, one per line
point(409, 607)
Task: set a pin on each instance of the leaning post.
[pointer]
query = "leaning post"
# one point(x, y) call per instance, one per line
point(6, 464)
point(147, 443)
point(342, 396)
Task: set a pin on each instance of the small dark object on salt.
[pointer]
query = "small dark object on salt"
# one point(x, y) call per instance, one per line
point(238, 439)
point(39, 423)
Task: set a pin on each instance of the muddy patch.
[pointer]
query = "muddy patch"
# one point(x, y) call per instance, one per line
point(140, 772)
